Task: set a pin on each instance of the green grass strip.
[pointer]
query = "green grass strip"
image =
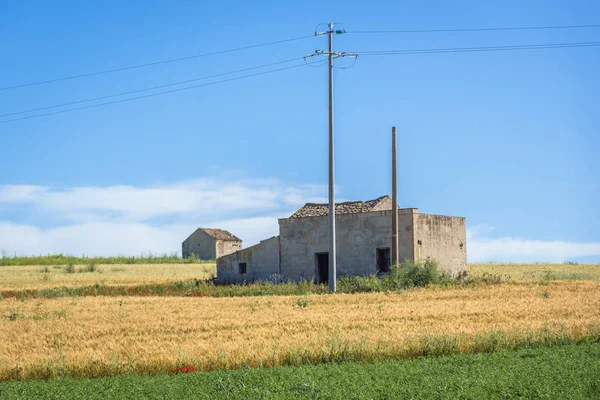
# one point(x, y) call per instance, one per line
point(559, 372)
point(59, 259)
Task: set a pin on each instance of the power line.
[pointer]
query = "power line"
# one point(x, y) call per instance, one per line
point(520, 28)
point(149, 88)
point(363, 53)
point(477, 49)
point(153, 94)
point(152, 63)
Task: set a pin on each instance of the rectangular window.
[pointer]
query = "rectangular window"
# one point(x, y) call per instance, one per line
point(242, 267)
point(383, 259)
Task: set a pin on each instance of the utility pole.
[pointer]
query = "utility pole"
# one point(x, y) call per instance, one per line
point(394, 201)
point(332, 252)
point(331, 56)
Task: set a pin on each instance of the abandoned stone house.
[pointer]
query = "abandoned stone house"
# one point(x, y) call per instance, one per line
point(364, 237)
point(210, 244)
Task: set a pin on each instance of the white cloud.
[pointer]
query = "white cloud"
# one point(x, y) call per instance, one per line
point(202, 198)
point(89, 239)
point(20, 193)
point(117, 219)
point(512, 249)
point(109, 239)
point(479, 230)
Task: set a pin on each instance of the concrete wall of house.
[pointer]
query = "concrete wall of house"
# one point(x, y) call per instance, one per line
point(224, 247)
point(262, 261)
point(358, 237)
point(201, 244)
point(443, 239)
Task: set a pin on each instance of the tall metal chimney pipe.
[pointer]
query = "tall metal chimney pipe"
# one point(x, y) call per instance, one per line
point(394, 201)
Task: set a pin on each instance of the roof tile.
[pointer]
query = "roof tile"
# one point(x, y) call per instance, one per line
point(221, 234)
point(349, 207)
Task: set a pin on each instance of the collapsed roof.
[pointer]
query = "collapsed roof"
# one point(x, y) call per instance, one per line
point(348, 207)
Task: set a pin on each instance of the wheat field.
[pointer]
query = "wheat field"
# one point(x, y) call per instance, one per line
point(100, 336)
point(42, 277)
point(538, 270)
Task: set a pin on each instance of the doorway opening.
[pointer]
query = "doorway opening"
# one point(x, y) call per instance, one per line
point(383, 260)
point(322, 267)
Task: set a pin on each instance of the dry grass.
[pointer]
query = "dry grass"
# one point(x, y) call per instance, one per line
point(41, 277)
point(114, 335)
point(539, 271)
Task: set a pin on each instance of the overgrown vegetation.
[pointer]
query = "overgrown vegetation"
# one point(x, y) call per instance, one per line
point(192, 288)
point(569, 371)
point(404, 276)
point(60, 259)
point(91, 267)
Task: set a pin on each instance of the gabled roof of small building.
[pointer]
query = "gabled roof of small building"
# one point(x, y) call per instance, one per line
point(348, 207)
point(221, 234)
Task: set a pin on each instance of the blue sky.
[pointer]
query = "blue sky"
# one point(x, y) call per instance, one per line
point(507, 139)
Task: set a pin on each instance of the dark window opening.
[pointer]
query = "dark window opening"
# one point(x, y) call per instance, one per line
point(419, 242)
point(242, 267)
point(461, 246)
point(322, 267)
point(383, 260)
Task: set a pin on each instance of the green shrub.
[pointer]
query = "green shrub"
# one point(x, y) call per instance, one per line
point(417, 274)
point(70, 269)
point(302, 302)
point(360, 284)
point(486, 278)
point(406, 275)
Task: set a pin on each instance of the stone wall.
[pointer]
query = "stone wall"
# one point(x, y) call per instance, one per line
point(201, 244)
point(206, 247)
point(358, 238)
point(443, 239)
point(225, 247)
point(262, 261)
point(294, 253)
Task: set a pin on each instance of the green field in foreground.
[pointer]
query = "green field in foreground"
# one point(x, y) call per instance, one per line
point(560, 372)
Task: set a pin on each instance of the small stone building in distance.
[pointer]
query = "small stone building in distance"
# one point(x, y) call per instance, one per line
point(210, 244)
point(363, 239)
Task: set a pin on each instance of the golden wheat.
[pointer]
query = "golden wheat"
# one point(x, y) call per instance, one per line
point(539, 271)
point(41, 277)
point(112, 335)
